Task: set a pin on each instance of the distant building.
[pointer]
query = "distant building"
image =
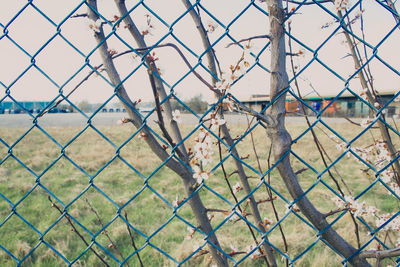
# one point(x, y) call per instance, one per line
point(345, 105)
point(22, 107)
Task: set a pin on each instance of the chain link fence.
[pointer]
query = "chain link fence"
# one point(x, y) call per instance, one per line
point(292, 160)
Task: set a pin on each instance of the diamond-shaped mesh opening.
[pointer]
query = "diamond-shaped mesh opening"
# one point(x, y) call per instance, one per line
point(44, 87)
point(40, 30)
point(294, 229)
point(99, 211)
point(119, 182)
point(136, 153)
point(139, 212)
point(240, 29)
point(53, 12)
point(385, 55)
point(72, 246)
point(71, 183)
point(8, 14)
point(240, 246)
point(249, 146)
point(176, 239)
point(226, 16)
point(16, 180)
point(74, 29)
point(37, 209)
point(115, 237)
point(42, 153)
point(22, 241)
point(317, 255)
point(12, 71)
point(86, 149)
point(42, 255)
point(51, 56)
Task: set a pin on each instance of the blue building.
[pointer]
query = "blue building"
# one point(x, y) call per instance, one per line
point(22, 107)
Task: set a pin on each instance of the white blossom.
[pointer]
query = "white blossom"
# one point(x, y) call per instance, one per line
point(199, 175)
point(255, 254)
point(383, 155)
point(95, 25)
point(175, 202)
point(395, 187)
point(123, 121)
point(341, 146)
point(387, 176)
point(226, 81)
point(203, 148)
point(236, 188)
point(393, 225)
point(334, 138)
point(341, 4)
point(366, 122)
point(354, 206)
point(191, 231)
point(363, 153)
point(216, 122)
point(176, 116)
point(397, 99)
point(211, 26)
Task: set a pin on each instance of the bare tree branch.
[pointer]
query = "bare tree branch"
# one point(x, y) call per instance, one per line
point(380, 254)
point(248, 39)
point(270, 258)
point(157, 83)
point(189, 182)
point(372, 100)
point(132, 239)
point(307, 3)
point(281, 139)
point(75, 230)
point(264, 118)
point(100, 221)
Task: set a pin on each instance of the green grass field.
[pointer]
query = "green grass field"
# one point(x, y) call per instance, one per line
point(115, 183)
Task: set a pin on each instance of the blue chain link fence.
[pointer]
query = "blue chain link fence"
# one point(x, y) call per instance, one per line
point(181, 182)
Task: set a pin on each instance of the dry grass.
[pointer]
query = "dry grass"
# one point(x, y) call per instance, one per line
point(95, 161)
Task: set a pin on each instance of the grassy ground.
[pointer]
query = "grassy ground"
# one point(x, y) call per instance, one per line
point(90, 169)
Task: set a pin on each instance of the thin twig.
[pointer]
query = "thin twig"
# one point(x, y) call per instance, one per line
point(105, 232)
point(318, 144)
point(380, 254)
point(225, 212)
point(75, 230)
point(270, 259)
point(133, 240)
point(285, 244)
point(248, 39)
point(231, 191)
point(332, 212)
point(83, 15)
point(264, 118)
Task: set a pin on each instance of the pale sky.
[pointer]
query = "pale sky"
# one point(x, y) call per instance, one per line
point(59, 61)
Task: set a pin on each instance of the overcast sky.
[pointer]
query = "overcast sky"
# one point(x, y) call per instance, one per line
point(31, 30)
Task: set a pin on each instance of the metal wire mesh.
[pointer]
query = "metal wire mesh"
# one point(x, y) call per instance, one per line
point(120, 212)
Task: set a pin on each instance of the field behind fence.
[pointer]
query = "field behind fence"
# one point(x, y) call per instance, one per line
point(227, 182)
